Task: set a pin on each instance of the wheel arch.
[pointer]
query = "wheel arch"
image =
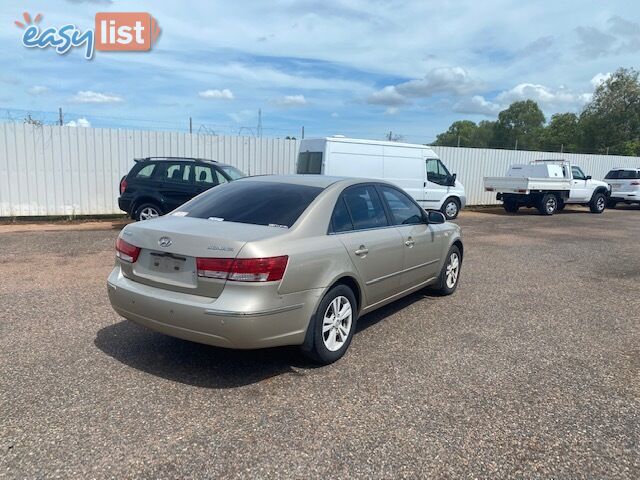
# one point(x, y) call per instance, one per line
point(135, 204)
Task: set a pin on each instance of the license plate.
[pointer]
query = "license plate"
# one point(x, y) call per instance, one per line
point(165, 264)
point(616, 185)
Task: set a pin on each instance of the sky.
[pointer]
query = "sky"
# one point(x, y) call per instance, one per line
point(360, 68)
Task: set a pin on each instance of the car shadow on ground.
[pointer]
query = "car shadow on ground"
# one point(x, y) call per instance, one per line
point(530, 211)
point(211, 367)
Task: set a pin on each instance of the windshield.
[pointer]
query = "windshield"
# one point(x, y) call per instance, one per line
point(272, 204)
point(233, 172)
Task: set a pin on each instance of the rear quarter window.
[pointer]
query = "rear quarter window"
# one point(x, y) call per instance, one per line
point(146, 171)
point(612, 174)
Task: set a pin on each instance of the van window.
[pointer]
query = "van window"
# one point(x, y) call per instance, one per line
point(310, 162)
point(365, 207)
point(437, 172)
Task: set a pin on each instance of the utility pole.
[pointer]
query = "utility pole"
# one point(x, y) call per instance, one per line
point(458, 141)
point(302, 132)
point(390, 136)
point(259, 129)
point(607, 150)
point(516, 147)
point(562, 148)
point(190, 125)
point(60, 117)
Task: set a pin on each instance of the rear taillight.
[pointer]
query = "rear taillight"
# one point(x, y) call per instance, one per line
point(123, 185)
point(243, 269)
point(127, 252)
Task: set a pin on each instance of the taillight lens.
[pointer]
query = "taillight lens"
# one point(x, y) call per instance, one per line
point(127, 252)
point(213, 267)
point(243, 269)
point(123, 185)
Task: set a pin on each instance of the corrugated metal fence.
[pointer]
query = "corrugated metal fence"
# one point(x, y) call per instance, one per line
point(51, 170)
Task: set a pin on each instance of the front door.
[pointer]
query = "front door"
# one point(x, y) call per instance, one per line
point(421, 242)
point(374, 246)
point(437, 185)
point(579, 185)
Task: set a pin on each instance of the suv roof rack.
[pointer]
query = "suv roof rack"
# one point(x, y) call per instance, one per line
point(194, 159)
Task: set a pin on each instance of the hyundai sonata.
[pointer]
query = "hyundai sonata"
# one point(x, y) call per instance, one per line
point(281, 260)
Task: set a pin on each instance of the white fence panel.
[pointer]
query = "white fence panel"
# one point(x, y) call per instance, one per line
point(52, 170)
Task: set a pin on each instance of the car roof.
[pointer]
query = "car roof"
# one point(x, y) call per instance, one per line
point(181, 159)
point(311, 180)
point(624, 168)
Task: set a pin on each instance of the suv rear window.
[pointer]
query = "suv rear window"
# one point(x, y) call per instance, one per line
point(628, 175)
point(146, 171)
point(260, 203)
point(612, 174)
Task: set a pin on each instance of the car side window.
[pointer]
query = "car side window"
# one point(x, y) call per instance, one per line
point(365, 207)
point(203, 175)
point(178, 172)
point(403, 210)
point(578, 174)
point(627, 175)
point(437, 172)
point(220, 177)
point(146, 171)
point(340, 219)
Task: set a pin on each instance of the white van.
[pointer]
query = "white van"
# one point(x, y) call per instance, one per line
point(415, 168)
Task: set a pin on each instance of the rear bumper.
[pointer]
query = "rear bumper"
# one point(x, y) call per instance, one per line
point(229, 321)
point(124, 204)
point(625, 196)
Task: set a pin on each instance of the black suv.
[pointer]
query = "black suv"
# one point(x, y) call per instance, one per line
point(157, 185)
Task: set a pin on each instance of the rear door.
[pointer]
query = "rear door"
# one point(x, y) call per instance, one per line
point(205, 177)
point(422, 243)
point(375, 247)
point(177, 184)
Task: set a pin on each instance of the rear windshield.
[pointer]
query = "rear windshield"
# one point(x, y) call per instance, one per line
point(259, 203)
point(623, 175)
point(310, 162)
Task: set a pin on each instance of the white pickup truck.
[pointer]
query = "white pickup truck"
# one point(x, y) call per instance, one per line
point(548, 185)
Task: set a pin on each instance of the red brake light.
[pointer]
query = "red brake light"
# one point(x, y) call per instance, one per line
point(127, 252)
point(123, 185)
point(213, 267)
point(243, 269)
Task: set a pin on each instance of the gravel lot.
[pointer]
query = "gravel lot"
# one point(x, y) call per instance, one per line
point(531, 369)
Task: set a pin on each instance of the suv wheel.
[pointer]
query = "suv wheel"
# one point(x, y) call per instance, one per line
point(333, 325)
point(548, 204)
point(450, 208)
point(598, 203)
point(450, 273)
point(147, 211)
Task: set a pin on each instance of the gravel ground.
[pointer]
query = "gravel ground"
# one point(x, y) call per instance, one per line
point(531, 369)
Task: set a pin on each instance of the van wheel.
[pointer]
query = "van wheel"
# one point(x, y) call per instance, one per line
point(598, 203)
point(450, 273)
point(548, 204)
point(450, 208)
point(333, 325)
point(147, 211)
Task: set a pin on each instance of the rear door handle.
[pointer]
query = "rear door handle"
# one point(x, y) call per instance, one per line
point(362, 250)
point(409, 242)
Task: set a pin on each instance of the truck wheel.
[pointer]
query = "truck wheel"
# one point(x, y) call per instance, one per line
point(548, 204)
point(333, 325)
point(450, 208)
point(511, 206)
point(598, 203)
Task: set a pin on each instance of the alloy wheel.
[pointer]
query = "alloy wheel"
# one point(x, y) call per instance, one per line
point(336, 324)
point(148, 213)
point(453, 269)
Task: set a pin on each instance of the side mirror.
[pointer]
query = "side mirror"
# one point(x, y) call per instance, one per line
point(453, 179)
point(435, 217)
point(589, 177)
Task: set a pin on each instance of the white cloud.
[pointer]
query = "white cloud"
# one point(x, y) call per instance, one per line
point(292, 101)
point(391, 110)
point(454, 80)
point(546, 97)
point(224, 94)
point(599, 78)
point(387, 96)
point(477, 105)
point(37, 90)
point(243, 115)
point(89, 96)
point(81, 122)
point(335, 115)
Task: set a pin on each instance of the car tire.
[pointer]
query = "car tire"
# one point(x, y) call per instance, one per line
point(598, 203)
point(147, 211)
point(510, 206)
point(450, 208)
point(548, 204)
point(332, 336)
point(450, 273)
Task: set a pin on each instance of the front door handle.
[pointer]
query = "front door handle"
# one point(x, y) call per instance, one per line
point(362, 250)
point(409, 242)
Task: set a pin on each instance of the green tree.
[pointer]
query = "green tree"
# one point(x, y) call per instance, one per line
point(562, 133)
point(462, 131)
point(484, 134)
point(523, 123)
point(611, 121)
